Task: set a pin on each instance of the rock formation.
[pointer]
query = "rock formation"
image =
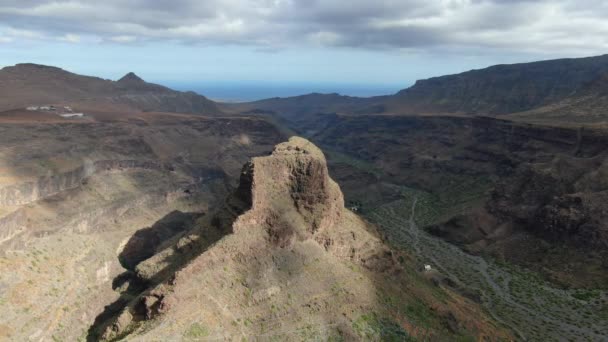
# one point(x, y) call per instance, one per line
point(282, 256)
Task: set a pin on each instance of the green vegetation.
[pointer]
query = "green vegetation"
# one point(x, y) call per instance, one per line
point(373, 328)
point(456, 198)
point(337, 157)
point(586, 295)
point(419, 313)
point(196, 331)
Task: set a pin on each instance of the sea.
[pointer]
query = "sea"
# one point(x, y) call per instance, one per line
point(257, 90)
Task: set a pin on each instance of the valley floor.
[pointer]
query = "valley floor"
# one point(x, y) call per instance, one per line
point(534, 309)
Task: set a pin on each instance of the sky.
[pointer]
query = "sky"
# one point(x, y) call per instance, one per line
point(316, 44)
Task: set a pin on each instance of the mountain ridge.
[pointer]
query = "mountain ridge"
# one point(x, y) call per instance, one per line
point(30, 84)
point(496, 90)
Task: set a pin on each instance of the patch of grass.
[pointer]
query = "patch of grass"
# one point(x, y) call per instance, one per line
point(337, 157)
point(370, 327)
point(585, 295)
point(196, 331)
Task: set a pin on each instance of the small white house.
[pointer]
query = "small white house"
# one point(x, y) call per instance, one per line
point(72, 115)
point(427, 268)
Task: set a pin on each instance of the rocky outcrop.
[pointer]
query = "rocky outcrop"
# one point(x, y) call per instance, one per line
point(285, 201)
point(526, 184)
point(294, 184)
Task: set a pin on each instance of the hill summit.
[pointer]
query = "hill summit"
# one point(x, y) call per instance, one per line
point(282, 257)
point(28, 84)
point(131, 77)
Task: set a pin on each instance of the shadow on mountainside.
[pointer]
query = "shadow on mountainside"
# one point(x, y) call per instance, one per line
point(145, 243)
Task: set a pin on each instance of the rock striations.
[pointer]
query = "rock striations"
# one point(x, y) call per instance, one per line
point(282, 259)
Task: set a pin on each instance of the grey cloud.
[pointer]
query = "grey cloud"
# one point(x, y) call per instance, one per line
point(271, 24)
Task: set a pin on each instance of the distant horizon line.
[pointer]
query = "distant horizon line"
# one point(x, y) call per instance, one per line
point(238, 91)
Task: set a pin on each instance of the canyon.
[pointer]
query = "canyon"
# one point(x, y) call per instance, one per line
point(162, 214)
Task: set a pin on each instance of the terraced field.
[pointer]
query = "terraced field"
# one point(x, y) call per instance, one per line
point(534, 309)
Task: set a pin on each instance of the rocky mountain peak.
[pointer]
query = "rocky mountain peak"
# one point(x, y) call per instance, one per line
point(131, 77)
point(285, 210)
point(291, 191)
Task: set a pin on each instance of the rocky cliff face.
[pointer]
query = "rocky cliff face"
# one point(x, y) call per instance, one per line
point(43, 187)
point(283, 253)
point(586, 106)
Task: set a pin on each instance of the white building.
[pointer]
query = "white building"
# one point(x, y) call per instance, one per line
point(72, 115)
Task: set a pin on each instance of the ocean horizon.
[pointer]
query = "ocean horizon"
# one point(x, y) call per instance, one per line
point(253, 91)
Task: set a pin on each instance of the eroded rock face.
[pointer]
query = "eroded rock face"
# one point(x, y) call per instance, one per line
point(292, 191)
point(285, 201)
point(282, 254)
point(44, 187)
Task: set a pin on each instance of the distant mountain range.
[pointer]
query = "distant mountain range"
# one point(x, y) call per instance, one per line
point(561, 89)
point(562, 84)
point(139, 221)
point(25, 85)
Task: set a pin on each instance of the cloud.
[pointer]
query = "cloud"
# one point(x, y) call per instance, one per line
point(122, 39)
point(70, 38)
point(458, 25)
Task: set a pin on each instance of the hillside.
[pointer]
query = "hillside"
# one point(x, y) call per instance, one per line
point(587, 106)
point(72, 192)
point(500, 89)
point(531, 264)
point(283, 259)
point(496, 90)
point(26, 85)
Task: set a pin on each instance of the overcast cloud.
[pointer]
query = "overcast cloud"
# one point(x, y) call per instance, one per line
point(523, 25)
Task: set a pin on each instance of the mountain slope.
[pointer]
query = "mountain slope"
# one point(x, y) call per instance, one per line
point(25, 85)
point(588, 105)
point(71, 193)
point(283, 259)
point(496, 90)
point(500, 89)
